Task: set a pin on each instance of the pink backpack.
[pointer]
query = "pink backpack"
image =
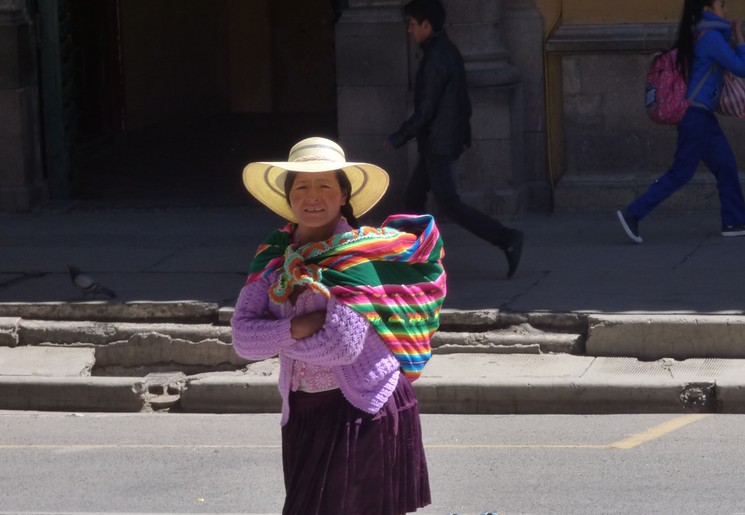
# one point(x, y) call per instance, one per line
point(666, 89)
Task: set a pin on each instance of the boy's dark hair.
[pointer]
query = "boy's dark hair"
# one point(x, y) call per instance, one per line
point(431, 10)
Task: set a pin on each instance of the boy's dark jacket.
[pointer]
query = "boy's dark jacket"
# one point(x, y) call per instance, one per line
point(442, 108)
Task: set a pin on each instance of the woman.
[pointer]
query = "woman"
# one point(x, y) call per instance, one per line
point(703, 44)
point(350, 312)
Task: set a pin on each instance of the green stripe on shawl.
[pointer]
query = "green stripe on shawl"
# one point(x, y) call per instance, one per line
point(393, 276)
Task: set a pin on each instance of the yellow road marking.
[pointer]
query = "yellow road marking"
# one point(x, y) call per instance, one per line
point(518, 446)
point(657, 431)
point(625, 444)
point(186, 446)
point(134, 446)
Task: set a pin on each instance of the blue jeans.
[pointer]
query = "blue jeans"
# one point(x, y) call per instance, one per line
point(700, 138)
point(435, 173)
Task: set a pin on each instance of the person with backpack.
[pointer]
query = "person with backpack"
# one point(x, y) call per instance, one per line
point(704, 52)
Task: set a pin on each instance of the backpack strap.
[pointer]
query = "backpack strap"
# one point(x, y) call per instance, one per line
point(706, 26)
point(700, 85)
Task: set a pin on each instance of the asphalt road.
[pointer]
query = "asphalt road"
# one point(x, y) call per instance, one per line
point(171, 463)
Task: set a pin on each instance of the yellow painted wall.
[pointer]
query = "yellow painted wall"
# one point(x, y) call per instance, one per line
point(628, 11)
point(588, 12)
point(582, 12)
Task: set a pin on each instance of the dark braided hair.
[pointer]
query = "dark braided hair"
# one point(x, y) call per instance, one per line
point(692, 13)
point(347, 211)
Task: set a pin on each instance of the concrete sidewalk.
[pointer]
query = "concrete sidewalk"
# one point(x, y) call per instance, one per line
point(571, 263)
point(566, 334)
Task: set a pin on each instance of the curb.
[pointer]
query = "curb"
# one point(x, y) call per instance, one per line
point(455, 384)
point(235, 394)
point(104, 394)
point(563, 396)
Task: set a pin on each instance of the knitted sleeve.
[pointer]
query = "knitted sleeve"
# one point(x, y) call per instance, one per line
point(340, 341)
point(254, 336)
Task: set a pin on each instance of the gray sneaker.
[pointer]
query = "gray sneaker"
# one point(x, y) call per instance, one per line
point(630, 225)
point(733, 230)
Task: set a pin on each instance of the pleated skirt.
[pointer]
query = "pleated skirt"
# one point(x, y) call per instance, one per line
point(340, 460)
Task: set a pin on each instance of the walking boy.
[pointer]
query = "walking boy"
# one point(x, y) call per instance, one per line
point(442, 127)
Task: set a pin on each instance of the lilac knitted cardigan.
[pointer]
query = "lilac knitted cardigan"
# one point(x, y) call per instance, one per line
point(365, 369)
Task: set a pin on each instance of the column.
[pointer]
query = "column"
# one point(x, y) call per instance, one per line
point(491, 172)
point(376, 64)
point(523, 35)
point(22, 184)
point(372, 88)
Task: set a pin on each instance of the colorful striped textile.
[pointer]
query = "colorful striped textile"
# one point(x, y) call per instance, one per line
point(732, 97)
point(392, 275)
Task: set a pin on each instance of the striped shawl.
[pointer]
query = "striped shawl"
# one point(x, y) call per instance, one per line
point(392, 275)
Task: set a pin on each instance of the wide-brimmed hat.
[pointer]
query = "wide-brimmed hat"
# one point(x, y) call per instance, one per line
point(265, 180)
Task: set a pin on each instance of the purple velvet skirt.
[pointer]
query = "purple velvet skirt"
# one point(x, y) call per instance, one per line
point(340, 460)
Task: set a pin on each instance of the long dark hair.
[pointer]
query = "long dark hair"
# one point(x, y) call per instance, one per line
point(346, 210)
point(692, 13)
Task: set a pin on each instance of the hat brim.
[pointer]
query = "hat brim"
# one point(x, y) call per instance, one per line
point(265, 181)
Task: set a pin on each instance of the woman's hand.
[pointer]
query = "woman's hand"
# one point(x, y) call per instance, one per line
point(307, 325)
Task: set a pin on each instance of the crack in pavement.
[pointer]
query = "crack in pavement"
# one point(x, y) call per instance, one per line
point(23, 277)
point(692, 253)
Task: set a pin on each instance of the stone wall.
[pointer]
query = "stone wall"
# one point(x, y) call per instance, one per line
point(372, 88)
point(501, 43)
point(612, 150)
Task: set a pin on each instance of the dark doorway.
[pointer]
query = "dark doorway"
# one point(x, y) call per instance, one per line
point(173, 98)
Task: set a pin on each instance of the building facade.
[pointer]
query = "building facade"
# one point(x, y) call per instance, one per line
point(111, 100)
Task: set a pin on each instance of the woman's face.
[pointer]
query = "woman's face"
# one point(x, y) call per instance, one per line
point(316, 200)
point(718, 7)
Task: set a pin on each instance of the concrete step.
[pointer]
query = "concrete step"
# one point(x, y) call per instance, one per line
point(46, 361)
point(656, 336)
point(23, 332)
point(137, 348)
point(644, 336)
point(136, 311)
point(484, 361)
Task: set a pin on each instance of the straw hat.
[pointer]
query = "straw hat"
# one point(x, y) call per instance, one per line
point(265, 180)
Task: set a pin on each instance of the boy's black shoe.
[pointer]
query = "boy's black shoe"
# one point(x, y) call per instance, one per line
point(513, 251)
